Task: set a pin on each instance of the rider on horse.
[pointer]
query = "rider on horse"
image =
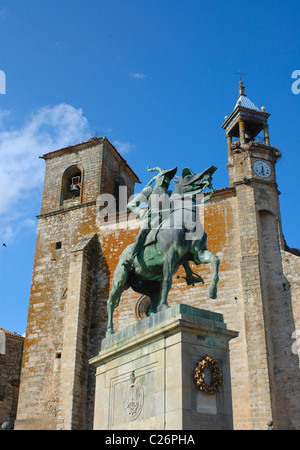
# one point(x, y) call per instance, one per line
point(152, 216)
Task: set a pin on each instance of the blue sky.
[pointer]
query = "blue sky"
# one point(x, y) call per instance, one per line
point(156, 77)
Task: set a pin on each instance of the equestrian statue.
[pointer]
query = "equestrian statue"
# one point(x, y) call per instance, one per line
point(171, 235)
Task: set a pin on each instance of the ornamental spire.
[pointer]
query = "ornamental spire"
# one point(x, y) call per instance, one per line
point(242, 89)
point(241, 86)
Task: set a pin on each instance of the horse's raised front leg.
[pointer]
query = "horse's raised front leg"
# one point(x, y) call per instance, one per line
point(207, 257)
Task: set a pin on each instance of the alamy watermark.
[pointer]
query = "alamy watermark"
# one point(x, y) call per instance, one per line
point(2, 82)
point(161, 211)
point(296, 344)
point(296, 84)
point(2, 343)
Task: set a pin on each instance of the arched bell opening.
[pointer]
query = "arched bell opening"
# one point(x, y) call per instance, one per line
point(71, 188)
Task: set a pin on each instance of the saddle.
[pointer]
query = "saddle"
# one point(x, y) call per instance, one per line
point(151, 236)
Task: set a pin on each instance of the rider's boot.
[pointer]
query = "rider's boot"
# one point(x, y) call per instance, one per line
point(128, 263)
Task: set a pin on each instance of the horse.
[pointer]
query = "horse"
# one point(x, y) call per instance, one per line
point(166, 249)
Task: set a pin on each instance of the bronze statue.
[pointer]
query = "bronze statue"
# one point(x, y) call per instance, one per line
point(162, 181)
point(169, 237)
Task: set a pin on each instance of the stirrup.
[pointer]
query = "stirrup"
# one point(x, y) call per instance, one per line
point(127, 264)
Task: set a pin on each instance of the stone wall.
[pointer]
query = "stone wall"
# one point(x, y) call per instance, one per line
point(11, 350)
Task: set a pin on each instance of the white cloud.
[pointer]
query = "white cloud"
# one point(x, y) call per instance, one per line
point(3, 12)
point(61, 46)
point(138, 75)
point(123, 147)
point(21, 170)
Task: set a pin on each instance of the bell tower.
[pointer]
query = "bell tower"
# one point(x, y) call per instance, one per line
point(247, 133)
point(266, 297)
point(69, 283)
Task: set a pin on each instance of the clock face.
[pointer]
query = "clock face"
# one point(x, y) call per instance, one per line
point(262, 169)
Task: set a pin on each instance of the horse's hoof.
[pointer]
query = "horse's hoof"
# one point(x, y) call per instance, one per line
point(211, 292)
point(162, 307)
point(109, 332)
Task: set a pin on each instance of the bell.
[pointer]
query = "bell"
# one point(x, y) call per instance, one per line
point(74, 187)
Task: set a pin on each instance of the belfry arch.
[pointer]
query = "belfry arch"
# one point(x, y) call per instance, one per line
point(72, 183)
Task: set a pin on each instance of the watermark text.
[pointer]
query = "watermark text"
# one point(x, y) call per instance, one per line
point(296, 344)
point(2, 82)
point(162, 211)
point(296, 84)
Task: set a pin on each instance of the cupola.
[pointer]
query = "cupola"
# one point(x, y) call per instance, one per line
point(246, 121)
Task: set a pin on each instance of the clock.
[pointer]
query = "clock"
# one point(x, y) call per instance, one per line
point(262, 169)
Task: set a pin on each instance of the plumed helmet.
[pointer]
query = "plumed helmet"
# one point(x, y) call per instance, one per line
point(169, 172)
point(187, 172)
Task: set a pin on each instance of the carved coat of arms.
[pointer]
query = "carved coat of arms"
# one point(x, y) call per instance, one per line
point(134, 399)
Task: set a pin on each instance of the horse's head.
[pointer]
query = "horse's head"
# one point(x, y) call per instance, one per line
point(190, 183)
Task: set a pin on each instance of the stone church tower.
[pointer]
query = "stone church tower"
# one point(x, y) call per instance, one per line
point(62, 329)
point(268, 307)
point(76, 256)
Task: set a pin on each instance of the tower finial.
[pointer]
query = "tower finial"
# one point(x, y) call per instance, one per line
point(241, 86)
point(242, 89)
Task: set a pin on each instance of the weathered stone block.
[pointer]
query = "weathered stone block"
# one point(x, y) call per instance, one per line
point(152, 363)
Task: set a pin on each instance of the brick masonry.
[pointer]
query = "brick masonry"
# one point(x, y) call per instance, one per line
point(257, 291)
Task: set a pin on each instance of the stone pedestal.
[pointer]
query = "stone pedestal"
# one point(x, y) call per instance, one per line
point(145, 373)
